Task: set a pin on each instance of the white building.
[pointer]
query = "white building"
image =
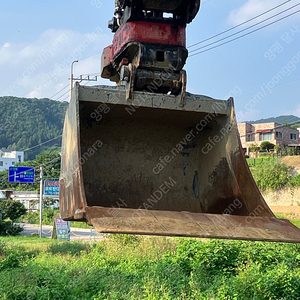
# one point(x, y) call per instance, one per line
point(9, 158)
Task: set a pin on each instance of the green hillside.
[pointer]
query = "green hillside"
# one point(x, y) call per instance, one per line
point(26, 123)
point(280, 120)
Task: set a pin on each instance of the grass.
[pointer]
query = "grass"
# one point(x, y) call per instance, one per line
point(32, 217)
point(80, 225)
point(254, 162)
point(131, 267)
point(290, 217)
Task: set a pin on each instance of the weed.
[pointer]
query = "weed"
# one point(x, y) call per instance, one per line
point(148, 268)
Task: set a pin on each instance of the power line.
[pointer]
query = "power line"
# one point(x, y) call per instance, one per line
point(67, 92)
point(227, 42)
point(42, 143)
point(239, 24)
point(288, 82)
point(59, 91)
point(40, 85)
point(50, 79)
point(59, 73)
point(49, 162)
point(245, 28)
point(79, 81)
point(65, 99)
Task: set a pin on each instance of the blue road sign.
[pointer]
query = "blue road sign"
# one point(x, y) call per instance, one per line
point(51, 188)
point(21, 174)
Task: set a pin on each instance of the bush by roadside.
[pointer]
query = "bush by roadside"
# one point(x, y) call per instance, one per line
point(10, 211)
point(274, 175)
point(33, 217)
point(152, 268)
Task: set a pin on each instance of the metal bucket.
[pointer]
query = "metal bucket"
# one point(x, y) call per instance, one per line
point(155, 167)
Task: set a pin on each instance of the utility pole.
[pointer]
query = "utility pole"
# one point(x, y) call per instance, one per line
point(41, 199)
point(0, 220)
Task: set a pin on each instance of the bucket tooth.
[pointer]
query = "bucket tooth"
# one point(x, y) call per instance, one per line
point(161, 166)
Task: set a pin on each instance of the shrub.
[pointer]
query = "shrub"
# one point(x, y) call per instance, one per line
point(186, 269)
point(12, 209)
point(272, 175)
point(10, 262)
point(33, 217)
point(266, 145)
point(48, 215)
point(124, 239)
point(295, 181)
point(9, 228)
point(2, 248)
point(265, 154)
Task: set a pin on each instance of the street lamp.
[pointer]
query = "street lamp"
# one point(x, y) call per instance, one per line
point(72, 77)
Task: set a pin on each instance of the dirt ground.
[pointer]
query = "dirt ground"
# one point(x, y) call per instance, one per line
point(286, 201)
point(285, 197)
point(293, 210)
point(293, 161)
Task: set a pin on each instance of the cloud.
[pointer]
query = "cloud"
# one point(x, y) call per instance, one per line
point(41, 67)
point(251, 9)
point(296, 111)
point(248, 115)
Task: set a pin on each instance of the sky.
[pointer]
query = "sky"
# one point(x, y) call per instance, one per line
point(40, 39)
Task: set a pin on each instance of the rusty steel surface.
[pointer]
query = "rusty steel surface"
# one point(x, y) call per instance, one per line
point(112, 95)
point(188, 224)
point(157, 167)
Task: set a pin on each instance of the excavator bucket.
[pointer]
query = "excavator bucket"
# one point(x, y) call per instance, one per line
point(161, 165)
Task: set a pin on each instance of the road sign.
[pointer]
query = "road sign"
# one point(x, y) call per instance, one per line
point(21, 174)
point(2, 196)
point(51, 188)
point(61, 230)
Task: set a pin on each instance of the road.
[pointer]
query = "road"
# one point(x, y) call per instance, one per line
point(76, 234)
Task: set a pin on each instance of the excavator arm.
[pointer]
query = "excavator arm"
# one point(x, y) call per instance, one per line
point(149, 44)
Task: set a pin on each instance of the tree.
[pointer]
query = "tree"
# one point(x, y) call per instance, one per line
point(293, 126)
point(253, 147)
point(277, 147)
point(43, 120)
point(10, 211)
point(266, 145)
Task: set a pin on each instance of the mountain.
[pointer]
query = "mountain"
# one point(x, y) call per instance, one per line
point(31, 123)
point(36, 124)
point(280, 120)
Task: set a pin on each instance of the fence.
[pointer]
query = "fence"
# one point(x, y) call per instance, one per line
point(253, 162)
